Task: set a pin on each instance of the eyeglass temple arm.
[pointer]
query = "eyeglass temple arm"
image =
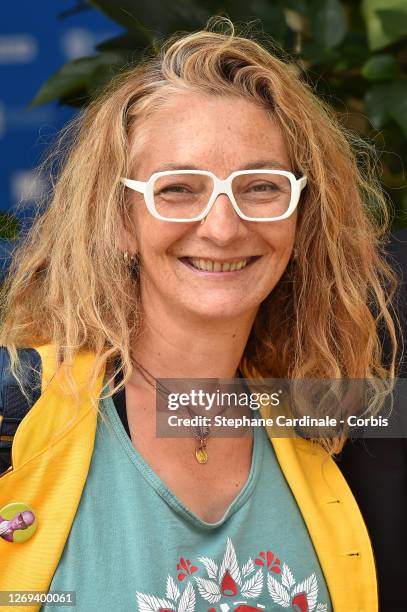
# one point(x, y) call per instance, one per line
point(302, 182)
point(139, 186)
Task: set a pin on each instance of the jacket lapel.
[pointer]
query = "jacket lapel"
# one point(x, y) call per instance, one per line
point(334, 521)
point(52, 450)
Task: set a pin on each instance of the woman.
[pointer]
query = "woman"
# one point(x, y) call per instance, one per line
point(210, 221)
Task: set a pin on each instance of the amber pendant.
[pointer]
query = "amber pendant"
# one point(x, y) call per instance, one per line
point(201, 455)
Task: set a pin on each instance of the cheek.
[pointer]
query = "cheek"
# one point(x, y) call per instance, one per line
point(157, 239)
point(281, 238)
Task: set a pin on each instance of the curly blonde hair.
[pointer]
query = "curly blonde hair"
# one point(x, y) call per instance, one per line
point(68, 283)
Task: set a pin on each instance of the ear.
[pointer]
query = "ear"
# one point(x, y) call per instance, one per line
point(128, 242)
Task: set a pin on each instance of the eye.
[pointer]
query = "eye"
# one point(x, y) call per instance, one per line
point(264, 187)
point(174, 189)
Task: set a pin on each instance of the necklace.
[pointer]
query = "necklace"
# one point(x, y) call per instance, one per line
point(202, 433)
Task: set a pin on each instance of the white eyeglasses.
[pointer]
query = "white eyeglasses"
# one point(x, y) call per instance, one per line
point(184, 196)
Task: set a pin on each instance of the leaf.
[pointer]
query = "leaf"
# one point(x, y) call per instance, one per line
point(376, 105)
point(394, 23)
point(210, 566)
point(73, 76)
point(172, 589)
point(159, 16)
point(272, 18)
point(277, 592)
point(378, 37)
point(230, 563)
point(328, 23)
point(309, 586)
point(315, 53)
point(187, 601)
point(253, 586)
point(296, 5)
point(397, 104)
point(126, 12)
point(385, 102)
point(150, 603)
point(9, 226)
point(189, 15)
point(248, 568)
point(100, 76)
point(126, 41)
point(380, 68)
point(287, 578)
point(208, 589)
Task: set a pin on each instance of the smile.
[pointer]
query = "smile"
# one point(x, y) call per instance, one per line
point(210, 265)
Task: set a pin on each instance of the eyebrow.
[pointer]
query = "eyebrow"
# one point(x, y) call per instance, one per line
point(250, 166)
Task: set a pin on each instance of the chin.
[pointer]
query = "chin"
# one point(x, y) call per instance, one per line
point(221, 311)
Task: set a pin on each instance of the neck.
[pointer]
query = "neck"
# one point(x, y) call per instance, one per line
point(176, 347)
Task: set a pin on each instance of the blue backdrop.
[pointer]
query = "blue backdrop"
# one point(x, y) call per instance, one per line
point(36, 38)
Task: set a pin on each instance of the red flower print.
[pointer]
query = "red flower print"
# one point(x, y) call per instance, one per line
point(270, 561)
point(188, 569)
point(228, 585)
point(300, 603)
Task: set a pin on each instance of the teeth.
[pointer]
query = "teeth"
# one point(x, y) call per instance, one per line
point(216, 266)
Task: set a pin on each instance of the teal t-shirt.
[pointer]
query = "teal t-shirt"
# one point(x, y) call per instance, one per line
point(134, 546)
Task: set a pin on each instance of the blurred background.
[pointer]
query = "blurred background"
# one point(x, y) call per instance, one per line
point(55, 54)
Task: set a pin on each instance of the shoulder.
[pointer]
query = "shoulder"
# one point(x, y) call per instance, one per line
point(29, 372)
point(16, 396)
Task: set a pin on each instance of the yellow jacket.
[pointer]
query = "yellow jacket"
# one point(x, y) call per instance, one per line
point(51, 455)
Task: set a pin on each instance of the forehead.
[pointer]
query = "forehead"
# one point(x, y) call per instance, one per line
point(218, 133)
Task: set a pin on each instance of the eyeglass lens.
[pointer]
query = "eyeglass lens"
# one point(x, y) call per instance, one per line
point(258, 195)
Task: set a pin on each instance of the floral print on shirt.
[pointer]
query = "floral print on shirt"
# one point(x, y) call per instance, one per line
point(263, 583)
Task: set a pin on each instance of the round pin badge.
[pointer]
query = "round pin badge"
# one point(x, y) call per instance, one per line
point(17, 522)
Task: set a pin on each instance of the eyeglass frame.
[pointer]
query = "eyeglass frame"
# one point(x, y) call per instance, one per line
point(219, 186)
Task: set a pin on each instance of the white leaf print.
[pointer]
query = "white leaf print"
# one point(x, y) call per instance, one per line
point(287, 579)
point(277, 592)
point(253, 586)
point(248, 568)
point(322, 607)
point(187, 601)
point(310, 587)
point(208, 589)
point(172, 589)
point(150, 603)
point(210, 566)
point(230, 563)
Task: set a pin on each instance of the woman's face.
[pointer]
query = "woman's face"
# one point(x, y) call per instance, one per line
point(219, 134)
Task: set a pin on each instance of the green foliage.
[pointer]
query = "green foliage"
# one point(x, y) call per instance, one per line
point(9, 226)
point(382, 67)
point(353, 53)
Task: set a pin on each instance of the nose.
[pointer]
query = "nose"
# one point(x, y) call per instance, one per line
point(222, 225)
